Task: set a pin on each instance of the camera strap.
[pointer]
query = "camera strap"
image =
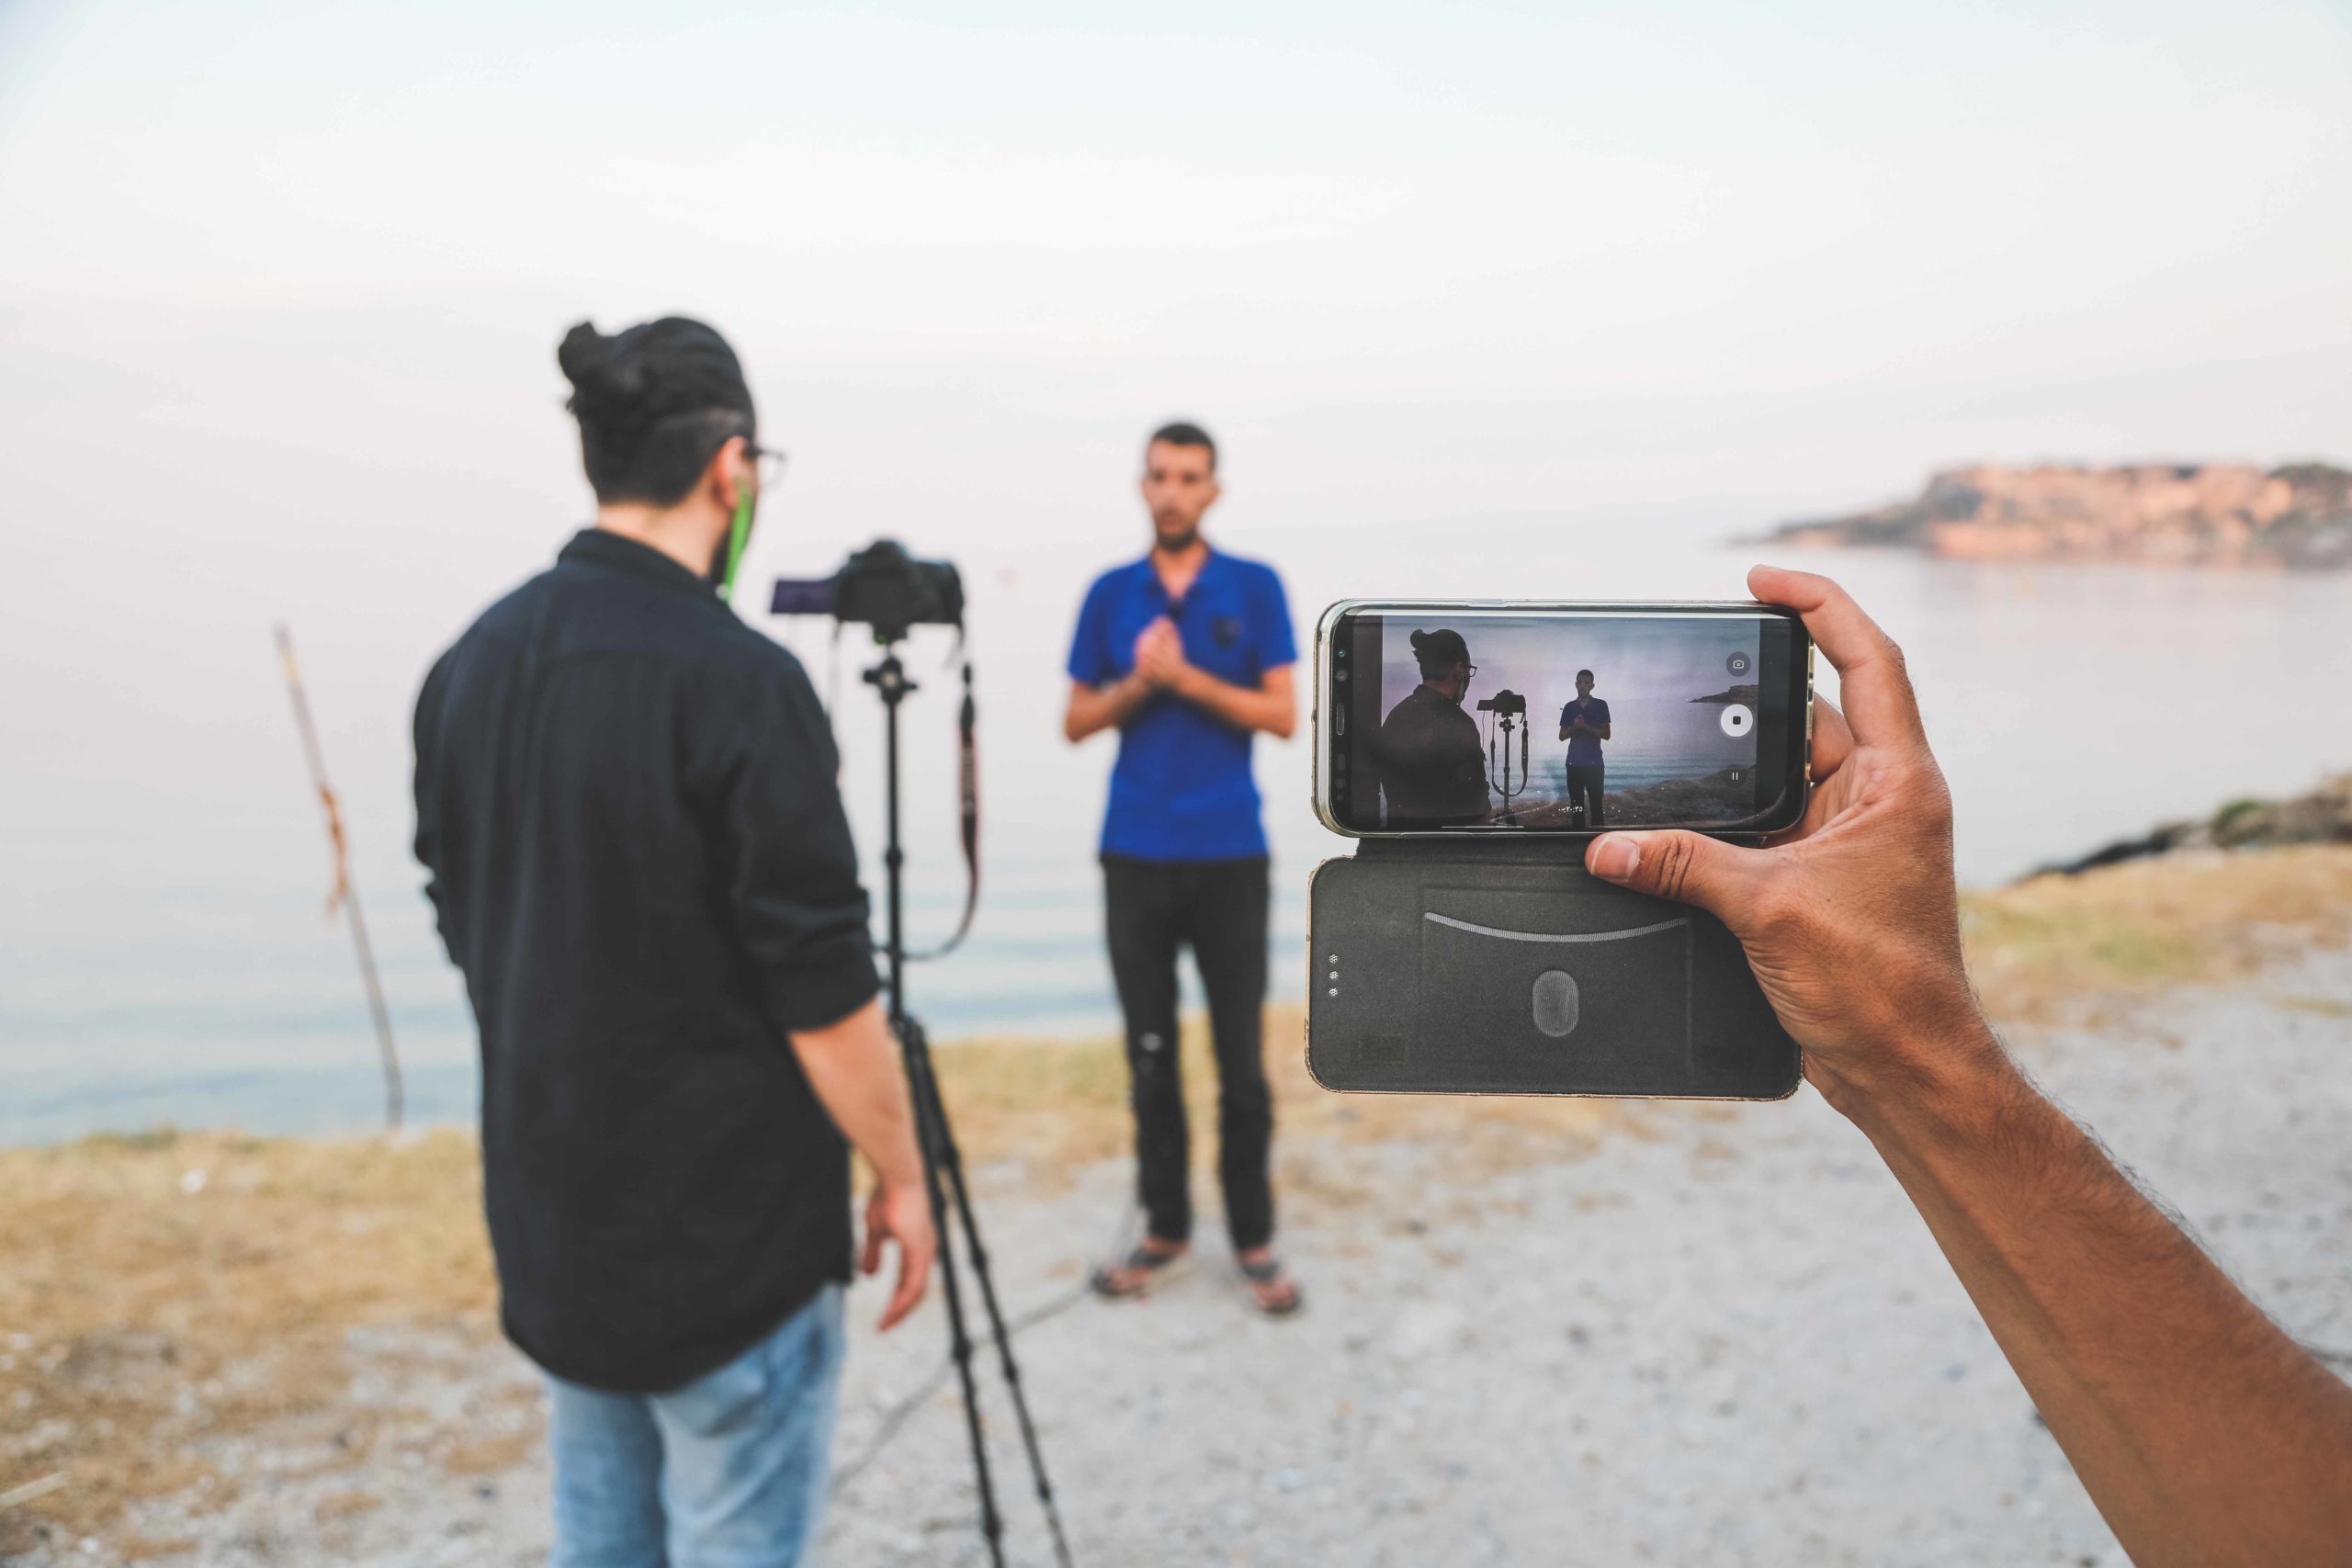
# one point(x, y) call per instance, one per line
point(967, 787)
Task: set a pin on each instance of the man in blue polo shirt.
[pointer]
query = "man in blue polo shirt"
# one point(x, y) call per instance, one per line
point(1188, 654)
point(1584, 725)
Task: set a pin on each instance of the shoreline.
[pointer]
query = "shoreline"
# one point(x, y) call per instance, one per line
point(344, 1099)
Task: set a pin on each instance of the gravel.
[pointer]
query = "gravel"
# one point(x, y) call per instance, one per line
point(1725, 1337)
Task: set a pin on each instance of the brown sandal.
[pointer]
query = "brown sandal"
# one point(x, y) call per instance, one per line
point(1266, 1273)
point(1144, 1263)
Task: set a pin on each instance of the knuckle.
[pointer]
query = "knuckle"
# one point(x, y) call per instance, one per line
point(1683, 870)
point(1673, 864)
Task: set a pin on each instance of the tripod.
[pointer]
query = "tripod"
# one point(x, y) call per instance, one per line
point(1499, 739)
point(944, 1166)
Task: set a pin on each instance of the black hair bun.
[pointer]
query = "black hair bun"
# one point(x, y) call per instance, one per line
point(605, 376)
point(654, 402)
point(1420, 641)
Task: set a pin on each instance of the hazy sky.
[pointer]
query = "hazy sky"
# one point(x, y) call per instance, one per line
point(280, 284)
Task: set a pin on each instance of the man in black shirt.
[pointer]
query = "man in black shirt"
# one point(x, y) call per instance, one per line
point(626, 800)
point(1431, 771)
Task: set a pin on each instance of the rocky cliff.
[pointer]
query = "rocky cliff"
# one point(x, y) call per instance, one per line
point(2322, 816)
point(2227, 514)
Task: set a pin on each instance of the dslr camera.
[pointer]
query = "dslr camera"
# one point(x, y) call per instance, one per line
point(880, 586)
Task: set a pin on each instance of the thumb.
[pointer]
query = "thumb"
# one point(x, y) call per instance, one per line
point(1690, 868)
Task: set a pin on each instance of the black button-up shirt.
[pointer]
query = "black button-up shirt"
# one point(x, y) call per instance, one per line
point(625, 800)
point(1431, 765)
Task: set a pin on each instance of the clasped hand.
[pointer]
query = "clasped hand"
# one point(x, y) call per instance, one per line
point(1159, 654)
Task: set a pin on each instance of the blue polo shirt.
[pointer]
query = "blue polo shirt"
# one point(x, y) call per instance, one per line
point(1584, 752)
point(1183, 789)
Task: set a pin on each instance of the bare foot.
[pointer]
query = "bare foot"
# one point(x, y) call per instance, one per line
point(1133, 1275)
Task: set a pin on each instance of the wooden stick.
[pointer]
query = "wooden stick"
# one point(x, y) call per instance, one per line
point(341, 893)
point(32, 1489)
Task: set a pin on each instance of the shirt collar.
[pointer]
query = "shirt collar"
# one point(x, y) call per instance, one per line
point(1215, 562)
point(616, 552)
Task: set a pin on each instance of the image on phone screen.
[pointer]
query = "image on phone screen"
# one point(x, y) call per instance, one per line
point(1563, 720)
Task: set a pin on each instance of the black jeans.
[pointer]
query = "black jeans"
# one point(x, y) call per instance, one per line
point(1584, 784)
point(1218, 909)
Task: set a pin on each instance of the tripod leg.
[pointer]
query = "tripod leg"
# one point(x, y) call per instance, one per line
point(949, 1161)
point(931, 1130)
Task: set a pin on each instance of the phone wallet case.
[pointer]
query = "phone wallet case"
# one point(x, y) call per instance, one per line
point(1436, 968)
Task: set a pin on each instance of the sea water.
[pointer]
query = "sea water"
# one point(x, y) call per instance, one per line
point(182, 970)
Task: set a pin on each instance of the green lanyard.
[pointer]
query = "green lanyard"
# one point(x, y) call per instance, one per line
point(737, 537)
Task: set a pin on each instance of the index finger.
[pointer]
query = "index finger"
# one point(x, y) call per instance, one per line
point(1880, 706)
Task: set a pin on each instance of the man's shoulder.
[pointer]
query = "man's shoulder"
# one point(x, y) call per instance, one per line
point(1116, 579)
point(505, 619)
point(1255, 575)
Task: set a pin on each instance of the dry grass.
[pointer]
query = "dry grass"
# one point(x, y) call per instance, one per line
point(2059, 948)
point(145, 1306)
point(138, 1317)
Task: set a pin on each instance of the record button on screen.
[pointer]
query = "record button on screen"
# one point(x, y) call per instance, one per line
point(1738, 720)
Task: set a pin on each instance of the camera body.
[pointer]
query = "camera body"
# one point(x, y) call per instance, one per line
point(880, 586)
point(1505, 702)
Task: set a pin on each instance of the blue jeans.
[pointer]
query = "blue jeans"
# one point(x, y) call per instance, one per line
point(728, 1471)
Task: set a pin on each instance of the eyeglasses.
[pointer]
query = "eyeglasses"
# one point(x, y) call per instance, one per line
point(1472, 669)
point(767, 462)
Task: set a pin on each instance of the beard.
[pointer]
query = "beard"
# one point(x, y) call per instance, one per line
point(1174, 543)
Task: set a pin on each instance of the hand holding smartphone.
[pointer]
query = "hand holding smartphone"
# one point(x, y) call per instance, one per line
point(1475, 748)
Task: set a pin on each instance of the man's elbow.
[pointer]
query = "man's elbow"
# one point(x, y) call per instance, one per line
point(1074, 729)
point(1282, 725)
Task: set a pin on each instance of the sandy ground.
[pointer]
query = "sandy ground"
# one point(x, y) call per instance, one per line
point(1718, 1338)
point(1722, 1337)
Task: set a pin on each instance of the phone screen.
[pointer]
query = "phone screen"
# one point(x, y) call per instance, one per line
point(1461, 718)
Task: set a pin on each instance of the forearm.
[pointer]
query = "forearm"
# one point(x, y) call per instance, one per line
point(1244, 707)
point(854, 1069)
point(1096, 708)
point(2203, 1433)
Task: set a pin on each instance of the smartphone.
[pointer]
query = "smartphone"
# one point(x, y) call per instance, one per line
point(1454, 717)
